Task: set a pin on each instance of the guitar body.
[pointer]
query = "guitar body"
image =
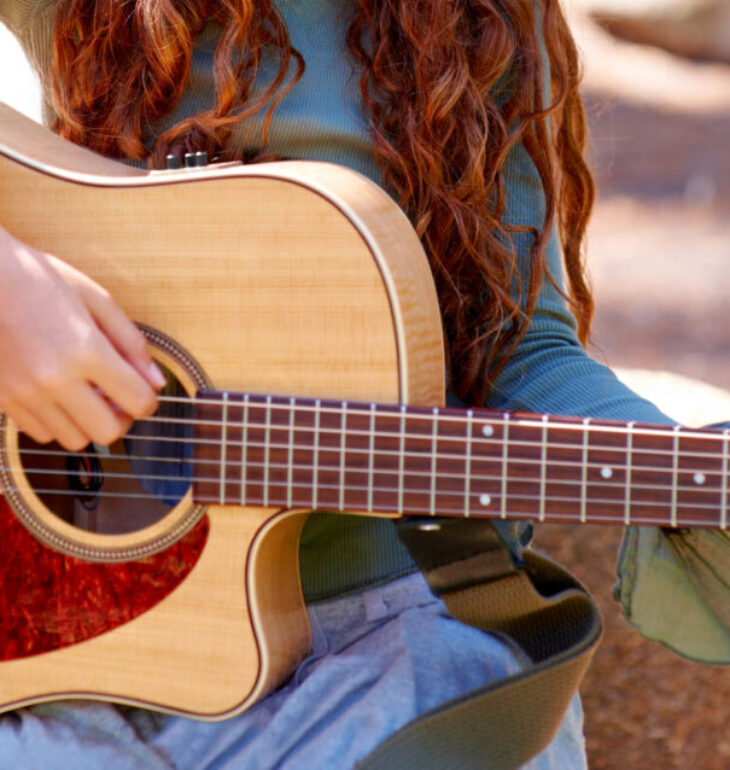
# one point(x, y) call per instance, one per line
point(294, 278)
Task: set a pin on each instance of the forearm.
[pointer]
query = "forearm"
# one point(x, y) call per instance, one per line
point(670, 585)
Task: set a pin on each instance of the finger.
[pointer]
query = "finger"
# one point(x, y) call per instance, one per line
point(122, 384)
point(29, 424)
point(94, 415)
point(61, 426)
point(122, 333)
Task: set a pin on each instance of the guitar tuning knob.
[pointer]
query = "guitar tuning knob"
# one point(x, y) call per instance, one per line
point(196, 159)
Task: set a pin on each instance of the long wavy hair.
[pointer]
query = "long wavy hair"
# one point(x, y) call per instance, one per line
point(449, 89)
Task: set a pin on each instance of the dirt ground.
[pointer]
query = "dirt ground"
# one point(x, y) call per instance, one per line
point(659, 251)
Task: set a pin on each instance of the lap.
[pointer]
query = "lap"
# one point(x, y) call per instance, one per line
point(378, 660)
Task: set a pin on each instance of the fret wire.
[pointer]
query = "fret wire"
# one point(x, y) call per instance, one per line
point(467, 461)
point(675, 473)
point(401, 456)
point(315, 466)
point(343, 434)
point(505, 451)
point(584, 470)
point(224, 419)
point(514, 514)
point(371, 456)
point(290, 458)
point(434, 454)
point(725, 453)
point(267, 449)
point(629, 448)
point(244, 447)
point(543, 467)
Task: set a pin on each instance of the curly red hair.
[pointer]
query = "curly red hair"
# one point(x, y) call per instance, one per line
point(449, 89)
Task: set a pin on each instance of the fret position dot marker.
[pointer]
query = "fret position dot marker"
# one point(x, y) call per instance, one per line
point(484, 500)
point(699, 478)
point(487, 430)
point(606, 472)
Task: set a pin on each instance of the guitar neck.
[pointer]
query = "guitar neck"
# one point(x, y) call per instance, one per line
point(414, 461)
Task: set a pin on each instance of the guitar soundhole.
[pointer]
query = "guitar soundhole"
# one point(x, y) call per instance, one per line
point(51, 599)
point(124, 487)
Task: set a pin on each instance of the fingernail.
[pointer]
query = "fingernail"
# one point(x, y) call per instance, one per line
point(157, 378)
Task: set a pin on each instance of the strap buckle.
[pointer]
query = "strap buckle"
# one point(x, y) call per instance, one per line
point(458, 553)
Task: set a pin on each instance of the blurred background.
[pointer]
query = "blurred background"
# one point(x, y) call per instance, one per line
point(657, 87)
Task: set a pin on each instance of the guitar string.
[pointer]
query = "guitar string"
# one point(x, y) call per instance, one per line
point(489, 416)
point(716, 435)
point(417, 473)
point(323, 468)
point(334, 488)
point(476, 442)
point(426, 456)
point(349, 506)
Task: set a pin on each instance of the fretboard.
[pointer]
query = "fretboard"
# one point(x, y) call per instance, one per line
point(414, 461)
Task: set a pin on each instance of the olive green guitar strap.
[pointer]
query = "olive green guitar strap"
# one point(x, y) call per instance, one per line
point(540, 606)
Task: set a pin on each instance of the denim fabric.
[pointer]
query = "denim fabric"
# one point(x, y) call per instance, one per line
point(379, 659)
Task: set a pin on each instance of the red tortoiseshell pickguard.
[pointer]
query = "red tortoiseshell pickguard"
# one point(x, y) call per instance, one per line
point(49, 600)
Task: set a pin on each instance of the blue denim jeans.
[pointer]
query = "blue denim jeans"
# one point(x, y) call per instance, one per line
point(379, 659)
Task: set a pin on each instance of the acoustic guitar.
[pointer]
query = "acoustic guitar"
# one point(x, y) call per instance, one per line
point(293, 309)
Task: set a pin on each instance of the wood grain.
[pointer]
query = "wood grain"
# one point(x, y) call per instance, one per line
point(301, 279)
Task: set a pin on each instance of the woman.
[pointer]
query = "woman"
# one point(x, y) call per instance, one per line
point(468, 113)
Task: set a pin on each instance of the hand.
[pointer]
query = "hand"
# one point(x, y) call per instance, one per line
point(73, 367)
